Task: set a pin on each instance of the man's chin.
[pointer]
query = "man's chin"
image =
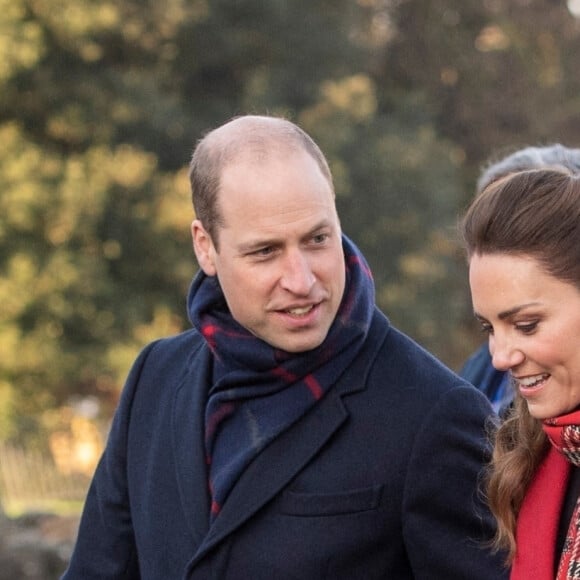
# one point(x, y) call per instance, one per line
point(296, 345)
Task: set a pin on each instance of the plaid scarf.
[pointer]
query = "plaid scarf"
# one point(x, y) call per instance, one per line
point(564, 435)
point(259, 391)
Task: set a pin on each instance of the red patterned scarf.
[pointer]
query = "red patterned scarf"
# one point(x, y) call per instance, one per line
point(564, 434)
point(538, 520)
point(259, 391)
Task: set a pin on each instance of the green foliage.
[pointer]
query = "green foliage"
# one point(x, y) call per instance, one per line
point(100, 105)
point(398, 187)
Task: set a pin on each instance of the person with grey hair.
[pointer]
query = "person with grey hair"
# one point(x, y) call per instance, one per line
point(549, 156)
point(478, 369)
point(293, 432)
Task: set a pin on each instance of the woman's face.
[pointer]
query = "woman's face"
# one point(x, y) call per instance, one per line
point(533, 322)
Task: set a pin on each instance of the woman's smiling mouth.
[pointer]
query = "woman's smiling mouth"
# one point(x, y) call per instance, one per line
point(528, 385)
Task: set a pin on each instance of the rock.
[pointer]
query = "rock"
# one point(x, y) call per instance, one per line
point(36, 546)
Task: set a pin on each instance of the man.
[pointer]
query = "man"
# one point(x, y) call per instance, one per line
point(293, 434)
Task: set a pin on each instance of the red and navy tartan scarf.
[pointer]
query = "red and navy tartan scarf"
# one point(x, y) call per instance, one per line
point(564, 435)
point(259, 391)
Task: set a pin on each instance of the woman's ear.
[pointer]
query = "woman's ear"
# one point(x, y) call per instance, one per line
point(203, 247)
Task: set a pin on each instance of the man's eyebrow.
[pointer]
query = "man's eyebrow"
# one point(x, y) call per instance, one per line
point(325, 223)
point(256, 244)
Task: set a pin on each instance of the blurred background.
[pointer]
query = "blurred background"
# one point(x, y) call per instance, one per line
point(101, 103)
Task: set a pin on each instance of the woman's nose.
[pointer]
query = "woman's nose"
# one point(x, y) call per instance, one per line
point(505, 353)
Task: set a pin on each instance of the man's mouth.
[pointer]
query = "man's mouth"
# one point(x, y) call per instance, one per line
point(301, 311)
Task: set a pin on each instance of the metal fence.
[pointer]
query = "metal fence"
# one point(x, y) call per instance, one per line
point(30, 480)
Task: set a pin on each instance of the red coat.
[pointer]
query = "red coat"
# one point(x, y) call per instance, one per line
point(537, 526)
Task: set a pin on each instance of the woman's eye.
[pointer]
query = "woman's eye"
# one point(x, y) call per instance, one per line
point(486, 328)
point(528, 327)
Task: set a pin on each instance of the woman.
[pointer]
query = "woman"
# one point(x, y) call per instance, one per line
point(494, 384)
point(522, 237)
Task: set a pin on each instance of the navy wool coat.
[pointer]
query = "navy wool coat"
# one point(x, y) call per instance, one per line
point(379, 480)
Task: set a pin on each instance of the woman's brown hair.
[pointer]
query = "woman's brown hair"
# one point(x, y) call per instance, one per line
point(535, 214)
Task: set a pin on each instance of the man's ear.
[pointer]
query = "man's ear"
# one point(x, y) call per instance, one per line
point(203, 248)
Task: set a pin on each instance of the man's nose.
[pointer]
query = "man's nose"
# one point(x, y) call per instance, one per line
point(297, 276)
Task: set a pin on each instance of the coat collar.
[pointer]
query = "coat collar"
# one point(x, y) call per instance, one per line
point(187, 437)
point(275, 466)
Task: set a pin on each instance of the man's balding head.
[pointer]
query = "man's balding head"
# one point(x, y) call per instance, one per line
point(250, 139)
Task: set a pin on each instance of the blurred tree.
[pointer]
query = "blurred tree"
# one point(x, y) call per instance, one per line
point(397, 186)
point(495, 76)
point(100, 103)
point(93, 230)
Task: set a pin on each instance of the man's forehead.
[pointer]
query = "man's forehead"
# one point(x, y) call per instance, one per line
point(255, 137)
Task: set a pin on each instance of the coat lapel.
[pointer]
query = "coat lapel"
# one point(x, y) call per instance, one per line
point(285, 457)
point(188, 443)
point(276, 465)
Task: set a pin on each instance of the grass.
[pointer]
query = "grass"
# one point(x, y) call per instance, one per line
point(18, 508)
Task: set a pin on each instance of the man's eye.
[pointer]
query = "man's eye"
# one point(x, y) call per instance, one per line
point(320, 238)
point(262, 252)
